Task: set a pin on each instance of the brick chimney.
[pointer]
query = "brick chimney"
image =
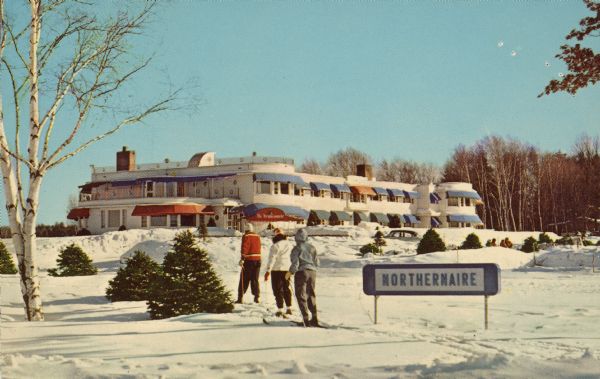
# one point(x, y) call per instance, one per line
point(365, 170)
point(125, 160)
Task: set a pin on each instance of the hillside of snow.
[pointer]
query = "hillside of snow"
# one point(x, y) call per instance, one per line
point(543, 323)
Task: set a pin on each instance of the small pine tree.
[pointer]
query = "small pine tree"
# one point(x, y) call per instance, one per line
point(430, 243)
point(7, 265)
point(188, 283)
point(530, 245)
point(72, 261)
point(369, 248)
point(132, 282)
point(202, 230)
point(471, 242)
point(544, 238)
point(379, 240)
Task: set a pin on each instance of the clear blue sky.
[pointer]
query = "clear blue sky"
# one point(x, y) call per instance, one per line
point(407, 79)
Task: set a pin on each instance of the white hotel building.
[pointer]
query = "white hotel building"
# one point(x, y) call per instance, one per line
point(229, 192)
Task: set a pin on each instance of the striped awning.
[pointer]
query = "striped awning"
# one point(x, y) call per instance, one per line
point(380, 217)
point(342, 216)
point(78, 213)
point(361, 216)
point(318, 186)
point(340, 188)
point(172, 209)
point(473, 219)
point(380, 191)
point(435, 222)
point(434, 198)
point(282, 178)
point(411, 194)
point(321, 214)
point(466, 194)
point(411, 219)
point(395, 192)
point(362, 190)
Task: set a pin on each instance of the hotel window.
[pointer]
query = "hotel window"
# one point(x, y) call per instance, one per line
point(173, 221)
point(113, 218)
point(263, 187)
point(188, 220)
point(149, 189)
point(102, 220)
point(171, 188)
point(453, 202)
point(284, 188)
point(158, 221)
point(144, 222)
point(180, 189)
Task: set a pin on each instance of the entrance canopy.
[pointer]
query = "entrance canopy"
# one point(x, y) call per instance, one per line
point(172, 209)
point(260, 212)
point(78, 213)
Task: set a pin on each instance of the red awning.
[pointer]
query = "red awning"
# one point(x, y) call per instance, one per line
point(172, 209)
point(78, 213)
point(363, 190)
point(271, 215)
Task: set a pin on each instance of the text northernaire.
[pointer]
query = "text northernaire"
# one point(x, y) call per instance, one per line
point(430, 279)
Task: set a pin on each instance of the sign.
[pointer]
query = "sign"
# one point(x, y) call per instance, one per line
point(431, 279)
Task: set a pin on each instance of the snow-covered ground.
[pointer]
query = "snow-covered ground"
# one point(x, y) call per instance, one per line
point(543, 323)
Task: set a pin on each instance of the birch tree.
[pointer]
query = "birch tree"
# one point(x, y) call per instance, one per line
point(78, 65)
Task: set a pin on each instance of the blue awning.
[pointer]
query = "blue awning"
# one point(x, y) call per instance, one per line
point(282, 178)
point(318, 186)
point(380, 191)
point(340, 188)
point(395, 192)
point(411, 219)
point(170, 179)
point(321, 215)
point(411, 194)
point(380, 217)
point(473, 219)
point(434, 198)
point(467, 194)
point(361, 216)
point(342, 216)
point(291, 210)
point(435, 222)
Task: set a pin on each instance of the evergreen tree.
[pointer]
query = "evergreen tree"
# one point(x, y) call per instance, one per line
point(188, 284)
point(471, 242)
point(544, 238)
point(7, 265)
point(530, 245)
point(378, 240)
point(72, 261)
point(430, 243)
point(132, 282)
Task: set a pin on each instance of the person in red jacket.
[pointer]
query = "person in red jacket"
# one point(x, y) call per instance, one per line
point(250, 263)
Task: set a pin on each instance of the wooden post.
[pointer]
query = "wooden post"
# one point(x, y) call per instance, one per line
point(486, 311)
point(375, 320)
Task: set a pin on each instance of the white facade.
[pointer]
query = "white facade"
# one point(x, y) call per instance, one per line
point(262, 190)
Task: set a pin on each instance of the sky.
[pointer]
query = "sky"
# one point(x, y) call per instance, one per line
point(395, 79)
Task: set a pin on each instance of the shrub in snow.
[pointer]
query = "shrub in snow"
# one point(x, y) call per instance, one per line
point(378, 239)
point(565, 241)
point(188, 284)
point(588, 243)
point(544, 238)
point(369, 248)
point(7, 266)
point(471, 242)
point(132, 282)
point(122, 228)
point(84, 232)
point(430, 243)
point(530, 245)
point(72, 261)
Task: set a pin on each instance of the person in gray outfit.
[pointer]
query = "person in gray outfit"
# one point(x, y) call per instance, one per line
point(304, 267)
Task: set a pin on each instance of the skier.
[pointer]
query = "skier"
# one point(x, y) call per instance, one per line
point(277, 265)
point(250, 264)
point(304, 267)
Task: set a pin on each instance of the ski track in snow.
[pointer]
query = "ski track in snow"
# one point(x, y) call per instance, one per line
point(542, 324)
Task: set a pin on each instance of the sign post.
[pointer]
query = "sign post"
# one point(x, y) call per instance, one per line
point(472, 279)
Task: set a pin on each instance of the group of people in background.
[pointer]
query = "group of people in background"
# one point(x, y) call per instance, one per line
point(285, 260)
point(503, 243)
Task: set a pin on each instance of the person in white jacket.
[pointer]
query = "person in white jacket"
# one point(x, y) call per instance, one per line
point(277, 267)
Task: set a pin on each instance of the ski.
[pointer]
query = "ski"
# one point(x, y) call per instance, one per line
point(288, 322)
